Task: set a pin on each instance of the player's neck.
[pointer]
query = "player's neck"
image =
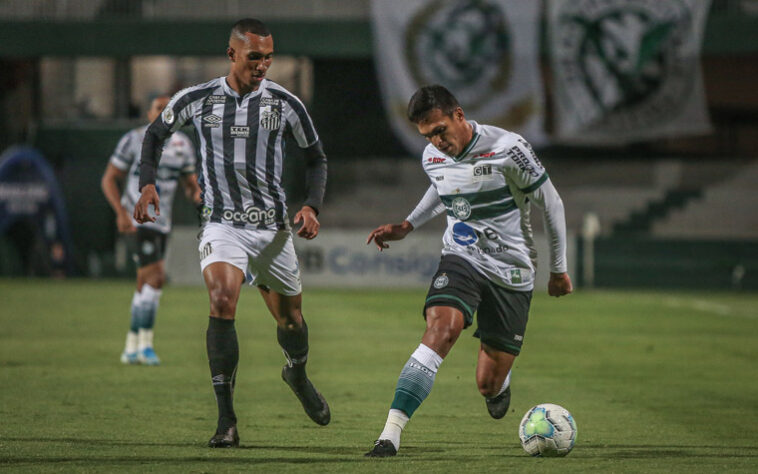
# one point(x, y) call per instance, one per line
point(237, 87)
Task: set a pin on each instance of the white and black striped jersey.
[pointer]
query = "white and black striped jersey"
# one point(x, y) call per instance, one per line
point(242, 145)
point(178, 160)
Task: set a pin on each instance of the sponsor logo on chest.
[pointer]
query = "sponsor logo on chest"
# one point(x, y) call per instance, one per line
point(239, 131)
point(482, 173)
point(215, 99)
point(212, 121)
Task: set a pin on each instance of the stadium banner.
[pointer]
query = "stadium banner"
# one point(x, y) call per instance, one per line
point(341, 259)
point(627, 70)
point(486, 52)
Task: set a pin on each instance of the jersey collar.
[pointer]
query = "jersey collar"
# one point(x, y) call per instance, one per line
point(470, 146)
point(229, 91)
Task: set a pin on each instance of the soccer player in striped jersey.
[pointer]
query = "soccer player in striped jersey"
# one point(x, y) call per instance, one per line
point(243, 121)
point(484, 178)
point(147, 242)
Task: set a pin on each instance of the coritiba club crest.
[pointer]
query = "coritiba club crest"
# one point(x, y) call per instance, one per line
point(625, 63)
point(463, 45)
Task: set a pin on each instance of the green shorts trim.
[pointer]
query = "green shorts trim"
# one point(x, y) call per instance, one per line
point(468, 311)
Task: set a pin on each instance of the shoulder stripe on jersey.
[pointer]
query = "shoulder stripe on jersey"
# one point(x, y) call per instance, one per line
point(302, 114)
point(191, 97)
point(218, 200)
point(251, 154)
point(478, 198)
point(535, 184)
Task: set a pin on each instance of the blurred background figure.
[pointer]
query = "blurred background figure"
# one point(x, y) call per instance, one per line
point(146, 242)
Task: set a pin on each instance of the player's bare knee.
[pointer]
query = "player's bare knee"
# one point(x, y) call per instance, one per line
point(223, 302)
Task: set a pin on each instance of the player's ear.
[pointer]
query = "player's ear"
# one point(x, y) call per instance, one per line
point(458, 114)
point(230, 53)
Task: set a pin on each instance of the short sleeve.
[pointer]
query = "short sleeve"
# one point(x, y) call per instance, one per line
point(124, 155)
point(300, 123)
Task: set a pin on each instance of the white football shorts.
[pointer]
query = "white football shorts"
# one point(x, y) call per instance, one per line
point(266, 257)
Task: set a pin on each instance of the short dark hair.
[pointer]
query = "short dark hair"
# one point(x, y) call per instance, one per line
point(428, 98)
point(249, 25)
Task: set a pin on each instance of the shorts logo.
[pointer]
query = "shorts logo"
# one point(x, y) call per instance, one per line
point(251, 215)
point(441, 281)
point(148, 248)
point(464, 234)
point(461, 208)
point(516, 276)
point(215, 99)
point(212, 121)
point(240, 132)
point(518, 337)
point(205, 251)
point(168, 115)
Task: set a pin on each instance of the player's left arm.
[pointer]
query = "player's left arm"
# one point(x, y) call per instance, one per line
point(301, 127)
point(526, 171)
point(315, 187)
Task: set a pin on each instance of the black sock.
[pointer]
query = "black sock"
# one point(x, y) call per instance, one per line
point(223, 356)
point(294, 343)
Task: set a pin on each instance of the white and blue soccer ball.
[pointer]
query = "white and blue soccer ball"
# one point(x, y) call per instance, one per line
point(547, 430)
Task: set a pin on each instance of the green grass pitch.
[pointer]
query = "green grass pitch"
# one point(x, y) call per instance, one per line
point(657, 382)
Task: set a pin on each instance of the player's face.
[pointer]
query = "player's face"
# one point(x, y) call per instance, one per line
point(449, 134)
point(156, 107)
point(250, 59)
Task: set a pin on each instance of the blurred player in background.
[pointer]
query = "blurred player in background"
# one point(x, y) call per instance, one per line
point(147, 241)
point(484, 178)
point(243, 121)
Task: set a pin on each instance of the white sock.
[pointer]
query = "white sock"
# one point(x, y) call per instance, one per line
point(145, 339)
point(427, 357)
point(131, 343)
point(396, 421)
point(506, 383)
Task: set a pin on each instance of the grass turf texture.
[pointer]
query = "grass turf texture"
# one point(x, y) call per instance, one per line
point(657, 382)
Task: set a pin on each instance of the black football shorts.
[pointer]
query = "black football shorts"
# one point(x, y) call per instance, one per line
point(146, 246)
point(501, 314)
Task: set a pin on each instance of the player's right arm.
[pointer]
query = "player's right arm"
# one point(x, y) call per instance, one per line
point(430, 206)
point(176, 113)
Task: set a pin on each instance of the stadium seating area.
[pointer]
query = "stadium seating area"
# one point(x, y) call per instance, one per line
point(370, 192)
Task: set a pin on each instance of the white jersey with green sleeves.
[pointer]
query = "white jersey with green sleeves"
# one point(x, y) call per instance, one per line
point(484, 191)
point(177, 159)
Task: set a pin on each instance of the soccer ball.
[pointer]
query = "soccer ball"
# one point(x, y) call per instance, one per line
point(547, 430)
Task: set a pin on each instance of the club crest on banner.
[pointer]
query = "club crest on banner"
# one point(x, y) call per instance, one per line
point(484, 51)
point(626, 66)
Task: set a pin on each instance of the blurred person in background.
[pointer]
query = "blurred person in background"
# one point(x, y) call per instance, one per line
point(243, 121)
point(147, 241)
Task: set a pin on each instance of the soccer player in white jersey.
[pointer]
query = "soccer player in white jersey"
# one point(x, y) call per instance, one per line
point(147, 242)
point(242, 121)
point(484, 178)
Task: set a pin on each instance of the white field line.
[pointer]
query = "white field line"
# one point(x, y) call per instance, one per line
point(704, 306)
